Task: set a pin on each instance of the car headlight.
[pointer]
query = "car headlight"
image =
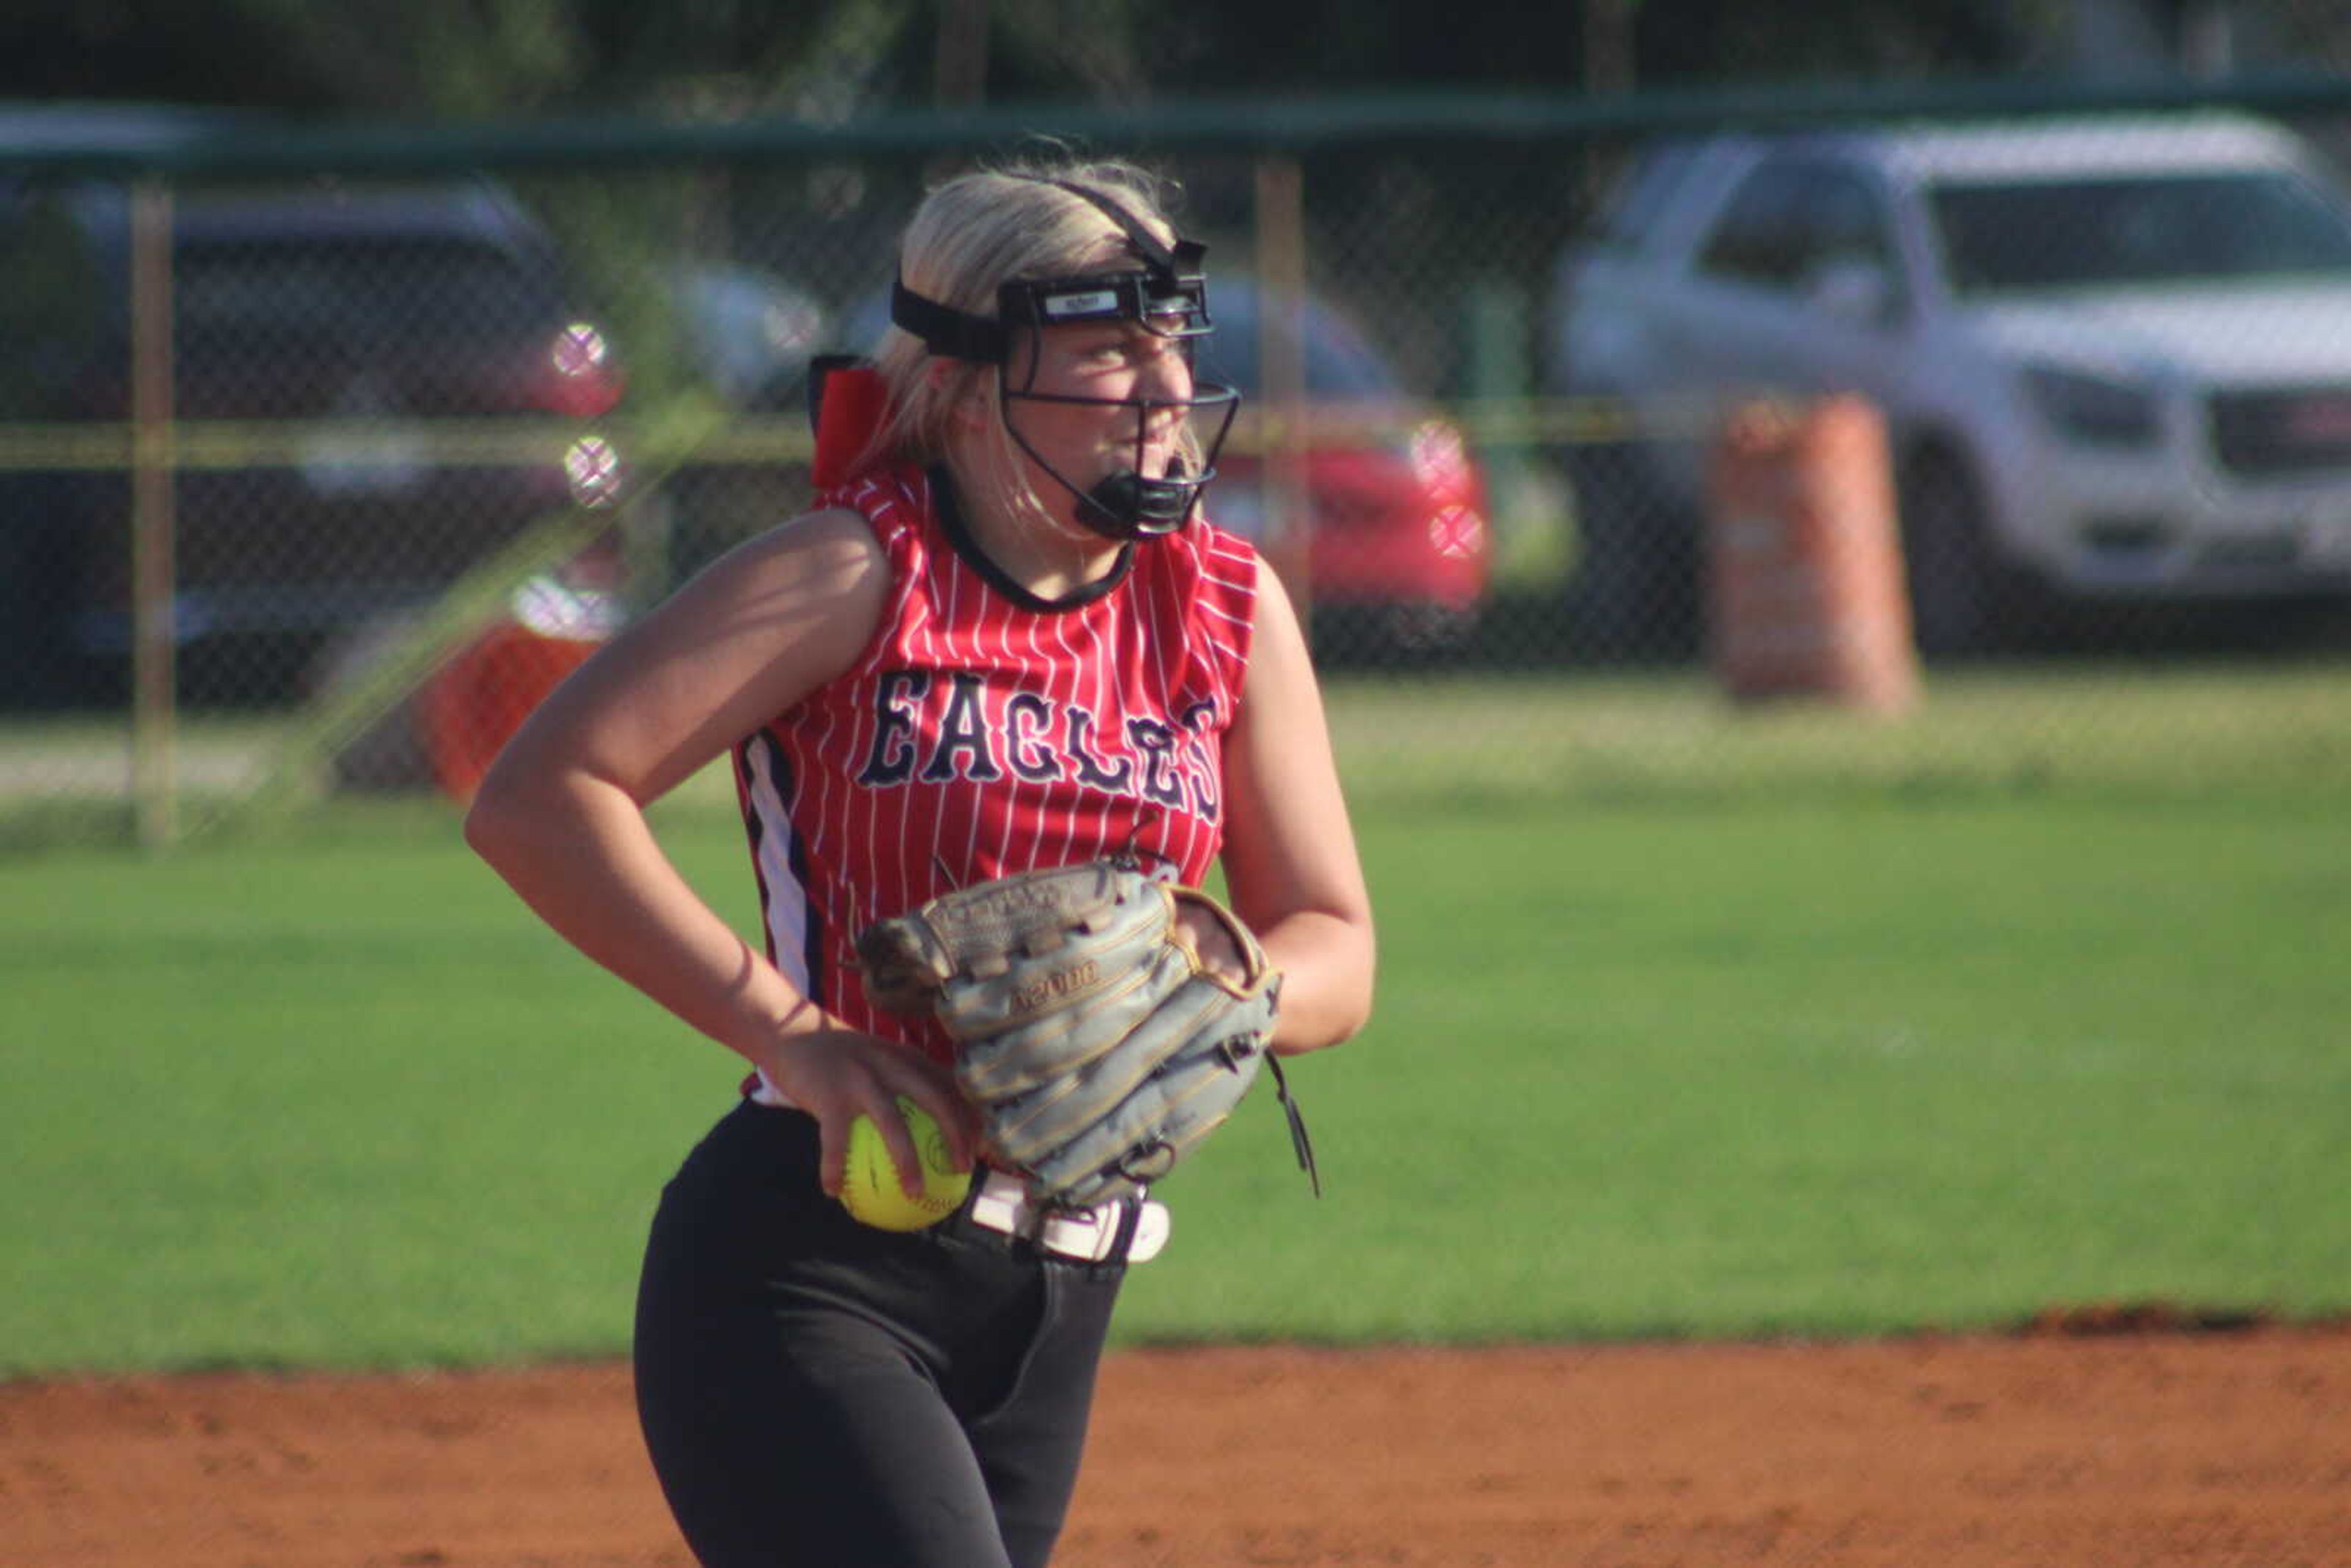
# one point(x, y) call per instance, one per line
point(592, 467)
point(2094, 410)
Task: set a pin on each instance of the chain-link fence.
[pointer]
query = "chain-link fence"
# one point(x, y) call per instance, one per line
point(319, 461)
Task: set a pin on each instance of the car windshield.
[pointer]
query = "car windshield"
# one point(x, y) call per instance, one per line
point(2117, 232)
point(391, 290)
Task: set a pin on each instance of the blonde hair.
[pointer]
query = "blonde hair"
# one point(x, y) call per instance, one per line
point(970, 235)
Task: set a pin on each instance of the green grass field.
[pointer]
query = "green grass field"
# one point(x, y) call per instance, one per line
point(1839, 1033)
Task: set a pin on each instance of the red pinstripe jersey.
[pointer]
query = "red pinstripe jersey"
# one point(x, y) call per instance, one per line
point(985, 731)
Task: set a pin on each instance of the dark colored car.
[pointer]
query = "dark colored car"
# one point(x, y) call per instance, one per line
point(326, 341)
point(747, 335)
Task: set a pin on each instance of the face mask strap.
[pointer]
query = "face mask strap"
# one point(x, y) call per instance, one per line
point(1124, 504)
point(1171, 266)
point(1170, 272)
point(956, 334)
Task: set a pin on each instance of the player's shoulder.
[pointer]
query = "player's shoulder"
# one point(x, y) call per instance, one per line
point(825, 563)
point(834, 524)
point(838, 534)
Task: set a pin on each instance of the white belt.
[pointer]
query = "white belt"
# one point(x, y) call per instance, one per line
point(1001, 1203)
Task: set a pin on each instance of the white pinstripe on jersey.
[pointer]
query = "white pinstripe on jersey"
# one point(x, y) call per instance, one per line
point(983, 733)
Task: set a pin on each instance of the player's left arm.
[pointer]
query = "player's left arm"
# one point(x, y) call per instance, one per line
point(1289, 861)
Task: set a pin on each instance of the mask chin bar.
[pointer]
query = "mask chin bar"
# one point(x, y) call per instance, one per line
point(1168, 296)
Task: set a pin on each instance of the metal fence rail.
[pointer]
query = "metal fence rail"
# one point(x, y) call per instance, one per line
point(295, 426)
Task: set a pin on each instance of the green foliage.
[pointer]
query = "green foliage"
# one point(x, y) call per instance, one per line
point(474, 59)
point(1695, 1066)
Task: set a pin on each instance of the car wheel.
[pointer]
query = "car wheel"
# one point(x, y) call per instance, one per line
point(43, 575)
point(1633, 594)
point(712, 509)
point(1961, 594)
point(1400, 635)
point(386, 752)
point(29, 632)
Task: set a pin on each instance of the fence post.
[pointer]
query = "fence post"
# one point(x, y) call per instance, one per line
point(1499, 333)
point(1282, 354)
point(154, 463)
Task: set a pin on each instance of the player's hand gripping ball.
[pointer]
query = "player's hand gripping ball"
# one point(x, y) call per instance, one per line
point(870, 1189)
point(1097, 1042)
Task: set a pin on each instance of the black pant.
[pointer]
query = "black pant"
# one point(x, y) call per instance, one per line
point(814, 1391)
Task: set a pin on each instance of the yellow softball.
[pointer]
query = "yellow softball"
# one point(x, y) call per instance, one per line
point(870, 1188)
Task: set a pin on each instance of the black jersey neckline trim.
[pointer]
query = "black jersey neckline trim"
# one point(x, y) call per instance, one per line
point(948, 507)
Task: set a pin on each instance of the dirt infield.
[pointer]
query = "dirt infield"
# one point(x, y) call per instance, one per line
point(2072, 1449)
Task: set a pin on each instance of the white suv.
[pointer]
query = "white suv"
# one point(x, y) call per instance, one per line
point(2114, 354)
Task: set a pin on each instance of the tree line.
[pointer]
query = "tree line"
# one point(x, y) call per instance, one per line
point(713, 59)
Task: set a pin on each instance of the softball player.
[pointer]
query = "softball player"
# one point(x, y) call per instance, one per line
point(1007, 638)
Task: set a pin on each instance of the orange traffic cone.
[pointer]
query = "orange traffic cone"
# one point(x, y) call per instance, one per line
point(474, 704)
point(1805, 594)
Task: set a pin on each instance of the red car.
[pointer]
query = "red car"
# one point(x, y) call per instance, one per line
point(1398, 551)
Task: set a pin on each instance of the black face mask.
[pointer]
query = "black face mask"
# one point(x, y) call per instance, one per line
point(1168, 295)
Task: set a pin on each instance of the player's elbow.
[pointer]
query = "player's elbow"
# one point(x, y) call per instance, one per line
point(503, 820)
point(1355, 1003)
point(1328, 983)
point(492, 827)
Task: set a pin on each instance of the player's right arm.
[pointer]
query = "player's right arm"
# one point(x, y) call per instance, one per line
point(561, 814)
